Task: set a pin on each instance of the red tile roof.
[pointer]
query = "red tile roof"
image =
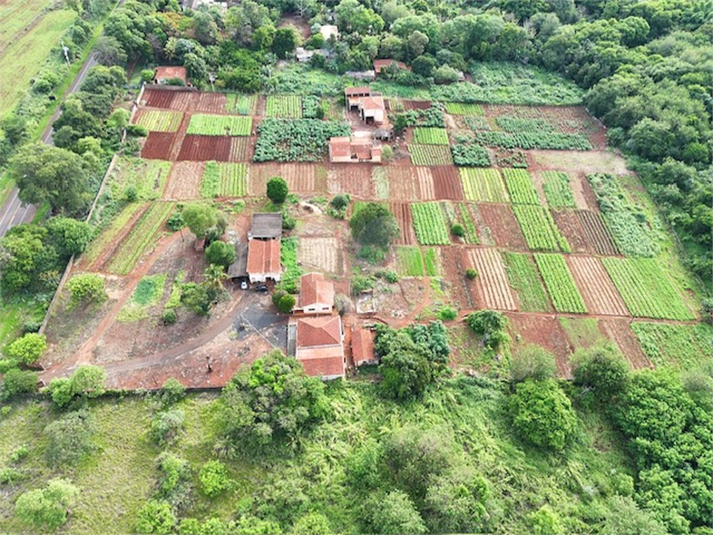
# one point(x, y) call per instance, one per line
point(351, 91)
point(319, 331)
point(381, 63)
point(163, 73)
point(324, 366)
point(362, 346)
point(340, 147)
point(263, 256)
point(315, 290)
point(372, 103)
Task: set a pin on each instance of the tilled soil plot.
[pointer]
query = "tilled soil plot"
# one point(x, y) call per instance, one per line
point(205, 148)
point(416, 104)
point(241, 149)
point(618, 329)
point(402, 183)
point(503, 226)
point(352, 179)
point(447, 183)
point(492, 289)
point(300, 177)
point(453, 266)
point(184, 181)
point(596, 287)
point(320, 253)
point(426, 188)
point(568, 224)
point(158, 146)
point(211, 103)
point(545, 331)
point(402, 212)
point(596, 233)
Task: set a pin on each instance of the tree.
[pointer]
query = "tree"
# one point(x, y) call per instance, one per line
point(395, 514)
point(44, 173)
point(284, 42)
point(601, 368)
point(220, 253)
point(490, 325)
point(200, 217)
point(286, 303)
point(156, 517)
point(46, 509)
point(374, 225)
point(277, 190)
point(68, 439)
point(624, 517)
point(214, 479)
point(205, 28)
point(68, 235)
point(86, 382)
point(16, 382)
point(195, 298)
point(86, 288)
point(405, 369)
point(545, 521)
point(28, 348)
point(542, 414)
point(532, 362)
point(455, 502)
point(423, 66)
point(27, 259)
point(312, 524)
point(108, 52)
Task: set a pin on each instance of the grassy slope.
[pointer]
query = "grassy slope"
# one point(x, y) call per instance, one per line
point(17, 16)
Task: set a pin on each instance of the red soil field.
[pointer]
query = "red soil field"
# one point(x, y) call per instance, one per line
point(545, 331)
point(492, 289)
point(417, 104)
point(402, 183)
point(402, 212)
point(168, 99)
point(426, 188)
point(568, 224)
point(596, 287)
point(618, 329)
point(300, 177)
point(205, 148)
point(184, 181)
point(211, 103)
point(503, 226)
point(597, 233)
point(158, 146)
point(447, 183)
point(354, 179)
point(241, 149)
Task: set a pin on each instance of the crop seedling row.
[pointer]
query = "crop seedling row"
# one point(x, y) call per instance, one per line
point(459, 108)
point(430, 224)
point(287, 106)
point(524, 279)
point(241, 104)
point(521, 187)
point(528, 140)
point(558, 191)
point(430, 136)
point(160, 121)
point(539, 229)
point(410, 261)
point(430, 155)
point(560, 284)
point(430, 261)
point(483, 185)
point(224, 180)
point(466, 220)
point(683, 347)
point(220, 125)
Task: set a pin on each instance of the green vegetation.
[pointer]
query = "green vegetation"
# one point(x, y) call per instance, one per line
point(430, 136)
point(524, 279)
point(457, 108)
point(148, 292)
point(302, 140)
point(409, 261)
point(288, 106)
point(521, 187)
point(628, 223)
point(528, 140)
point(372, 224)
point(582, 332)
point(27, 349)
point(222, 179)
point(430, 155)
point(560, 284)
point(558, 191)
point(470, 155)
point(684, 347)
point(135, 179)
point(241, 104)
point(539, 229)
point(430, 224)
point(291, 271)
point(161, 121)
point(491, 327)
point(98, 244)
point(277, 190)
point(484, 185)
point(465, 217)
point(220, 125)
point(86, 289)
point(430, 261)
point(661, 300)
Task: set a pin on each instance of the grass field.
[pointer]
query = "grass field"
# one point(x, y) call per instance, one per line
point(582, 332)
point(224, 180)
point(524, 279)
point(681, 346)
point(22, 59)
point(147, 293)
point(17, 15)
point(484, 185)
point(410, 263)
point(160, 121)
point(220, 125)
point(560, 284)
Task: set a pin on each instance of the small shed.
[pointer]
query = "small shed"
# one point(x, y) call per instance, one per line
point(329, 30)
point(302, 55)
point(239, 268)
point(363, 346)
point(266, 226)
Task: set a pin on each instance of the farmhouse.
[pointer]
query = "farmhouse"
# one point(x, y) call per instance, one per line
point(316, 294)
point(363, 346)
point(165, 74)
point(265, 226)
point(347, 150)
point(329, 30)
point(263, 261)
point(371, 106)
point(320, 346)
point(381, 64)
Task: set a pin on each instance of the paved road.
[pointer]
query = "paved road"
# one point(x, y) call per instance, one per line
point(14, 211)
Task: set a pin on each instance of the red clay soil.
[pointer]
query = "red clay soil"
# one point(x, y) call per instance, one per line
point(205, 148)
point(416, 104)
point(453, 270)
point(491, 287)
point(184, 181)
point(596, 287)
point(568, 224)
point(211, 103)
point(402, 183)
point(503, 226)
point(402, 212)
point(618, 329)
point(596, 233)
point(156, 98)
point(354, 179)
point(158, 146)
point(241, 149)
point(447, 184)
point(546, 331)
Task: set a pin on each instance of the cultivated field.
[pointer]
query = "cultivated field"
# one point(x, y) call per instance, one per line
point(321, 254)
point(492, 288)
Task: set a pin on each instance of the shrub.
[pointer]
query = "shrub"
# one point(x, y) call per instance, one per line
point(395, 513)
point(17, 382)
point(312, 524)
point(374, 225)
point(545, 521)
point(532, 362)
point(220, 253)
point(214, 479)
point(169, 316)
point(156, 517)
point(471, 273)
point(28, 348)
point(387, 153)
point(447, 314)
point(46, 509)
point(172, 391)
point(286, 303)
point(176, 222)
point(87, 288)
point(360, 284)
point(174, 483)
point(341, 201)
point(277, 190)
point(391, 277)
point(601, 368)
point(490, 325)
point(69, 439)
point(86, 382)
point(165, 426)
point(458, 230)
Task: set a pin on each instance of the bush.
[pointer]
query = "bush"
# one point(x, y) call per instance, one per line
point(471, 273)
point(169, 316)
point(28, 348)
point(87, 288)
point(387, 153)
point(214, 479)
point(394, 514)
point(458, 230)
point(601, 368)
point(545, 521)
point(86, 382)
point(341, 201)
point(532, 362)
point(46, 509)
point(374, 225)
point(391, 277)
point(447, 314)
point(286, 303)
point(174, 484)
point(156, 517)
point(17, 382)
point(312, 524)
point(69, 439)
point(277, 190)
point(172, 391)
point(360, 284)
point(490, 325)
point(165, 426)
point(220, 253)
point(176, 222)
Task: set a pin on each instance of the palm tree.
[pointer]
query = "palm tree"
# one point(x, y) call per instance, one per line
point(214, 276)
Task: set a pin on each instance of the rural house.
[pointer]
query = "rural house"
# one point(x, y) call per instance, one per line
point(320, 346)
point(346, 150)
point(316, 294)
point(371, 106)
point(263, 260)
point(363, 346)
point(165, 74)
point(266, 226)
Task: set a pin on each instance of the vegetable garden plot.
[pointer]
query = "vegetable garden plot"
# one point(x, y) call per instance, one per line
point(241, 149)
point(224, 180)
point(426, 188)
point(299, 177)
point(459, 108)
point(471, 155)
point(559, 283)
point(381, 182)
point(211, 102)
point(204, 148)
point(410, 263)
point(321, 253)
point(416, 104)
point(521, 187)
point(504, 228)
point(430, 224)
point(101, 247)
point(596, 287)
point(303, 140)
point(619, 330)
point(596, 233)
point(159, 121)
point(356, 180)
point(241, 104)
point(568, 224)
point(526, 282)
point(402, 184)
point(491, 283)
point(446, 183)
point(143, 235)
point(683, 347)
point(289, 106)
point(529, 140)
point(484, 185)
point(184, 181)
point(430, 155)
point(558, 191)
point(431, 262)
point(156, 98)
point(464, 216)
point(402, 212)
point(158, 146)
point(540, 231)
point(220, 125)
point(430, 136)
point(147, 178)
point(646, 290)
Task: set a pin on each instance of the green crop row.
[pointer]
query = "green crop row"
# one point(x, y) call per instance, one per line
point(141, 237)
point(682, 346)
point(558, 191)
point(521, 187)
point(539, 229)
point(466, 219)
point(296, 140)
point(160, 121)
point(430, 136)
point(108, 236)
point(144, 178)
point(220, 125)
point(430, 224)
point(409, 261)
point(484, 185)
point(430, 155)
point(645, 288)
point(560, 284)
point(458, 108)
point(291, 270)
point(526, 282)
point(530, 140)
point(224, 180)
point(241, 104)
point(430, 261)
point(513, 125)
point(288, 106)
point(471, 155)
